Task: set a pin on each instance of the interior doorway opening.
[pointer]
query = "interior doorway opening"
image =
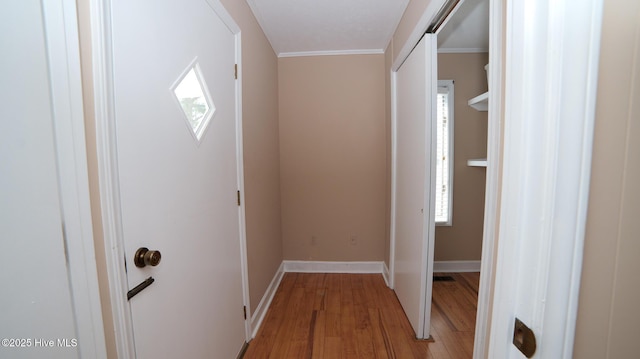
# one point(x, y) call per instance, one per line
point(462, 60)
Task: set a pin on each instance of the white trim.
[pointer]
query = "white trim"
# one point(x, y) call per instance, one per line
point(332, 53)
point(429, 226)
point(108, 175)
point(228, 20)
point(462, 50)
point(456, 266)
point(332, 267)
point(549, 113)
point(262, 308)
point(385, 274)
point(63, 54)
point(394, 170)
point(102, 50)
point(493, 171)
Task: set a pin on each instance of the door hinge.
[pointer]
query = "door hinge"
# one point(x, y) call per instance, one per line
point(245, 312)
point(238, 198)
point(235, 71)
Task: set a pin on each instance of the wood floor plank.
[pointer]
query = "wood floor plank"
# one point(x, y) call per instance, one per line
point(299, 339)
point(446, 335)
point(347, 318)
point(318, 344)
point(471, 278)
point(266, 337)
point(357, 316)
point(381, 344)
point(333, 347)
point(287, 326)
point(460, 313)
point(458, 299)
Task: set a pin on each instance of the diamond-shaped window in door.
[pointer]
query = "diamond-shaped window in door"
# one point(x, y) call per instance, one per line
point(193, 96)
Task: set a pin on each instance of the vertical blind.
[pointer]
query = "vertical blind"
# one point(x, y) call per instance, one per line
point(443, 154)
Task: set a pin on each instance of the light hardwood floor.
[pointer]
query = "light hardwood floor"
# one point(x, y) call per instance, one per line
point(356, 316)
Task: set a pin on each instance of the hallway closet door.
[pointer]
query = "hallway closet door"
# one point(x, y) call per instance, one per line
point(414, 222)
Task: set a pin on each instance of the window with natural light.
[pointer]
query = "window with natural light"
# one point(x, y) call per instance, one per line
point(444, 153)
point(193, 97)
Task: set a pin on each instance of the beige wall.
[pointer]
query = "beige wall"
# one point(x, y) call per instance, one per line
point(333, 157)
point(463, 240)
point(261, 151)
point(608, 315)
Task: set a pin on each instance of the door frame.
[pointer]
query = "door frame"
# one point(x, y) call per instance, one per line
point(101, 39)
point(493, 174)
point(424, 326)
point(494, 154)
point(558, 176)
point(63, 52)
point(423, 330)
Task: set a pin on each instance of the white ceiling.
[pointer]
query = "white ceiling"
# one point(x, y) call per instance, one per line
point(467, 30)
point(317, 27)
point(325, 27)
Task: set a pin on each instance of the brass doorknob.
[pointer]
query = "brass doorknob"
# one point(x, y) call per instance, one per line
point(145, 257)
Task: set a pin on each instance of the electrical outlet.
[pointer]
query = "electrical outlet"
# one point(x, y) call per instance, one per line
point(314, 240)
point(354, 240)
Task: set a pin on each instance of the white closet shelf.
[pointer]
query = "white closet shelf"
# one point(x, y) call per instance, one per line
point(480, 102)
point(479, 162)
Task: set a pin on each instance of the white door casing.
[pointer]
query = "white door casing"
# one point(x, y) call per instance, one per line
point(493, 171)
point(413, 219)
point(552, 53)
point(176, 194)
point(50, 304)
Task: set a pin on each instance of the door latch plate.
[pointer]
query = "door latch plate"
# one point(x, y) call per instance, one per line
point(524, 338)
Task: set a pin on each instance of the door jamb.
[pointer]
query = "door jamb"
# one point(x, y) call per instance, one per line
point(63, 55)
point(235, 29)
point(101, 39)
point(109, 188)
point(566, 109)
point(492, 184)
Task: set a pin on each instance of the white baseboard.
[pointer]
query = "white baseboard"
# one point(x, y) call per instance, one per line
point(456, 266)
point(261, 310)
point(386, 275)
point(332, 267)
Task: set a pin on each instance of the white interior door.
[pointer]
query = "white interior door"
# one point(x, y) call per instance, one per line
point(35, 300)
point(49, 306)
point(173, 64)
point(414, 226)
point(552, 54)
